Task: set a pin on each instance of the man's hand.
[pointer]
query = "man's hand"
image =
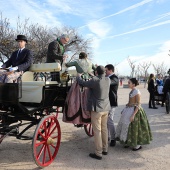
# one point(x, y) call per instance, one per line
point(65, 57)
point(12, 69)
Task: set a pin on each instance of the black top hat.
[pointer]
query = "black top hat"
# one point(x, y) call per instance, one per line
point(21, 37)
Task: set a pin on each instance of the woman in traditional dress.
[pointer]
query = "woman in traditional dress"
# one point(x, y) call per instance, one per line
point(83, 65)
point(75, 110)
point(133, 128)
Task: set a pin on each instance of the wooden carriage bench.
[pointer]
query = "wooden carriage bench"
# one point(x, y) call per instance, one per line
point(31, 89)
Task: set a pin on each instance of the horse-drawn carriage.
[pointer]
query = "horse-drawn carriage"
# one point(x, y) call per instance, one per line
point(34, 100)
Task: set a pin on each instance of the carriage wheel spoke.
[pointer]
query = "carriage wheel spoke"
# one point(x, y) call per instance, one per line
point(40, 152)
point(53, 146)
point(44, 156)
point(53, 130)
point(45, 128)
point(54, 137)
point(49, 153)
point(49, 129)
point(39, 133)
point(39, 143)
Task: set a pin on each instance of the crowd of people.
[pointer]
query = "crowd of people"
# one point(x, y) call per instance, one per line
point(157, 87)
point(92, 98)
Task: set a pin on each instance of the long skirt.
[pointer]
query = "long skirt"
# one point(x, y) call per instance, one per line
point(75, 109)
point(133, 133)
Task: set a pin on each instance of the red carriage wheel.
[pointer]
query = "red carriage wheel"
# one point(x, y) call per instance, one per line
point(46, 141)
point(89, 130)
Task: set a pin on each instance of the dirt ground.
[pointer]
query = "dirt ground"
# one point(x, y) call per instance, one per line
point(76, 146)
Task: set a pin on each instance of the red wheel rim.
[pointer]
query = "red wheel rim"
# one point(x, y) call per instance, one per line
point(46, 141)
point(89, 130)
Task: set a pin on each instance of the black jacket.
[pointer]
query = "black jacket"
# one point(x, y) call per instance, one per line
point(166, 87)
point(23, 61)
point(113, 90)
point(55, 52)
point(151, 86)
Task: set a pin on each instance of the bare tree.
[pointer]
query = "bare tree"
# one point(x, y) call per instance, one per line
point(38, 39)
point(132, 65)
point(144, 68)
point(160, 68)
point(6, 39)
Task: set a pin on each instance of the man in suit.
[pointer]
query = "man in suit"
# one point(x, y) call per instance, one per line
point(55, 53)
point(98, 105)
point(19, 62)
point(113, 102)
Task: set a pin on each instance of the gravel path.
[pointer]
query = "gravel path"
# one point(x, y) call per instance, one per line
point(76, 146)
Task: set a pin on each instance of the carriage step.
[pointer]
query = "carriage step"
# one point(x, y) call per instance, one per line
point(22, 137)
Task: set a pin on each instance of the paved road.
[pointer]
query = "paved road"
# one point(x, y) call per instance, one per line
point(76, 146)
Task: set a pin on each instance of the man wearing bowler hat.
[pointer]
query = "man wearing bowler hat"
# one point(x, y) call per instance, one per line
point(19, 62)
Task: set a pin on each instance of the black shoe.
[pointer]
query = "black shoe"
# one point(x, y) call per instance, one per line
point(104, 153)
point(154, 108)
point(79, 125)
point(113, 143)
point(134, 149)
point(150, 107)
point(126, 146)
point(93, 155)
point(162, 105)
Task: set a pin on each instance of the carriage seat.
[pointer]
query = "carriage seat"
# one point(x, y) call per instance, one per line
point(45, 67)
point(31, 89)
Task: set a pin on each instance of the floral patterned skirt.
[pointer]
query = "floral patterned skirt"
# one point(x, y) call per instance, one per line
point(133, 133)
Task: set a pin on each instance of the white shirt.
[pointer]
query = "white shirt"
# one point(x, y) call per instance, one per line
point(19, 51)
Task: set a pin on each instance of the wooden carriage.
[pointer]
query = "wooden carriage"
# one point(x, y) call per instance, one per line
point(31, 102)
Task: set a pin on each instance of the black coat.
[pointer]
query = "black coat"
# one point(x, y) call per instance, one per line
point(23, 61)
point(113, 90)
point(166, 87)
point(55, 52)
point(151, 86)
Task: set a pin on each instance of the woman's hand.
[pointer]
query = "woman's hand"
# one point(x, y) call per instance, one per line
point(79, 74)
point(132, 118)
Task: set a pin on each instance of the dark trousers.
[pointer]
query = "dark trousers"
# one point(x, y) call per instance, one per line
point(151, 99)
point(164, 98)
point(55, 76)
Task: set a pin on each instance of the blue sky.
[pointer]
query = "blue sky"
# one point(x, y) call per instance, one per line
point(135, 28)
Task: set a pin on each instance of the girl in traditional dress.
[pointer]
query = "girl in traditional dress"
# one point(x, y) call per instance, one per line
point(83, 65)
point(75, 110)
point(133, 128)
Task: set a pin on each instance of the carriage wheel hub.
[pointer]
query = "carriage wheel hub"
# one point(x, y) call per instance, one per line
point(50, 141)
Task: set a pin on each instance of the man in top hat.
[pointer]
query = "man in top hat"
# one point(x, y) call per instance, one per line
point(55, 53)
point(99, 106)
point(19, 62)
